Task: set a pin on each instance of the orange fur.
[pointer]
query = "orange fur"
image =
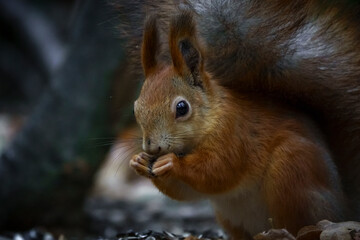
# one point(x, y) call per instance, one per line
point(232, 147)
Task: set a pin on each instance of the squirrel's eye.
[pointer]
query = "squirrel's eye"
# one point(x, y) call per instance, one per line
point(182, 108)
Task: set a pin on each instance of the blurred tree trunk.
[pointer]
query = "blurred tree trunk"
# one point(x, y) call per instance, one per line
point(47, 170)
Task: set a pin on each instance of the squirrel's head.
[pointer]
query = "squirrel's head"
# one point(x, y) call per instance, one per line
point(174, 101)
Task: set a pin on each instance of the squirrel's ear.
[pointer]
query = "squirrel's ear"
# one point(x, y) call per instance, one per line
point(184, 47)
point(149, 48)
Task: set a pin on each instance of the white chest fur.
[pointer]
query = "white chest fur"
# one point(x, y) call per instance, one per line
point(243, 208)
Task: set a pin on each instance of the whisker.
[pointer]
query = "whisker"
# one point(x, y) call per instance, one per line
point(125, 157)
point(103, 138)
point(129, 140)
point(103, 144)
point(118, 153)
point(115, 142)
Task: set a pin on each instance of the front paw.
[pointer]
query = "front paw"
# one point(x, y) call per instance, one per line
point(163, 165)
point(141, 163)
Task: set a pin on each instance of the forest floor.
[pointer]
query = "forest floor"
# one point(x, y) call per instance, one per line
point(148, 219)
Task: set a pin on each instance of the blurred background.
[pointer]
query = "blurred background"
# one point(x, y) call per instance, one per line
point(67, 129)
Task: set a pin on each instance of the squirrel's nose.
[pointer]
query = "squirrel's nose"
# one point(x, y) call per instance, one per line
point(151, 148)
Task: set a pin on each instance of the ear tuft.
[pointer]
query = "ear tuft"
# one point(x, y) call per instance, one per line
point(190, 55)
point(184, 47)
point(149, 48)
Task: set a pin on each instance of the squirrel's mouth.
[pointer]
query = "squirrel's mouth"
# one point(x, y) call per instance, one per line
point(180, 152)
point(184, 150)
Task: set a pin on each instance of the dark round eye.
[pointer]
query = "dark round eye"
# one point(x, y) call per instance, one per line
point(182, 108)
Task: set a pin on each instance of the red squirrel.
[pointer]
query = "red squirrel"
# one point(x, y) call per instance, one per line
point(302, 52)
point(252, 159)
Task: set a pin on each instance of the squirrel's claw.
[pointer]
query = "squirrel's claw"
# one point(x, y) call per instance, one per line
point(144, 164)
point(163, 164)
point(141, 163)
